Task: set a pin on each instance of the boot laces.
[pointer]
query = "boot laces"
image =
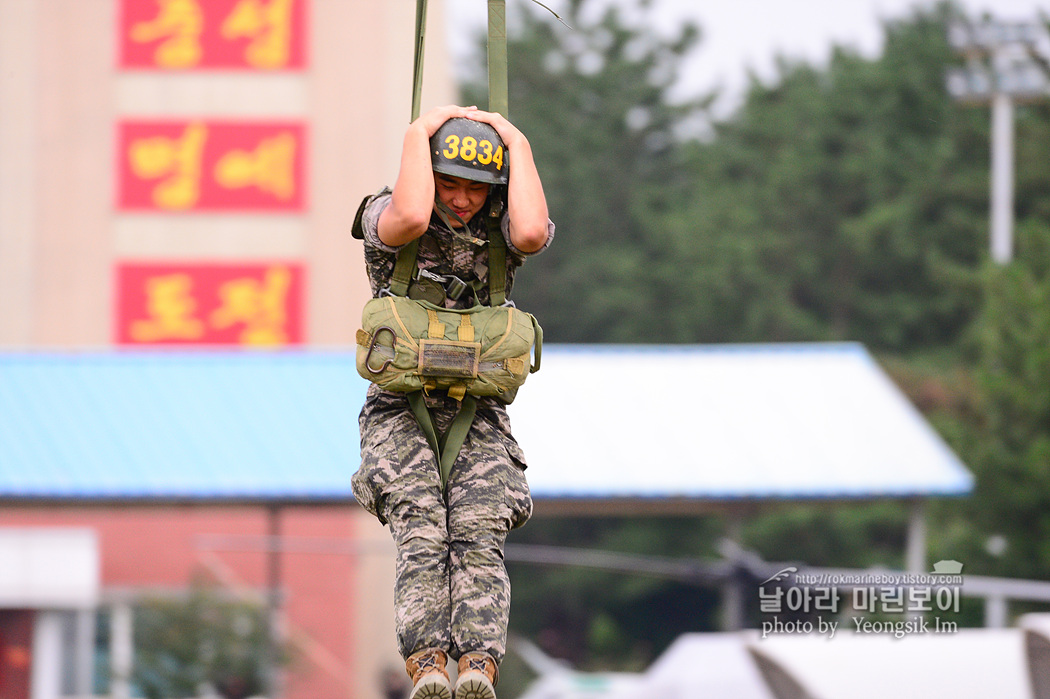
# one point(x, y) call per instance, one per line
point(477, 663)
point(428, 662)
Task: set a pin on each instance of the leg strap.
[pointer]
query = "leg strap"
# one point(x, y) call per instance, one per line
point(446, 446)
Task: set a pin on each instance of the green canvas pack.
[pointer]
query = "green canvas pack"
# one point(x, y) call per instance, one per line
point(406, 345)
point(409, 344)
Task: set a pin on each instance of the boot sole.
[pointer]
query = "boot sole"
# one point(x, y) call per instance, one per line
point(431, 689)
point(475, 688)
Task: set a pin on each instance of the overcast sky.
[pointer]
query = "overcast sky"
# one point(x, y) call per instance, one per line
point(746, 34)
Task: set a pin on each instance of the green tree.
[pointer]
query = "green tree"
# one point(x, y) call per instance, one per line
point(594, 102)
point(1013, 482)
point(206, 638)
point(599, 619)
point(840, 203)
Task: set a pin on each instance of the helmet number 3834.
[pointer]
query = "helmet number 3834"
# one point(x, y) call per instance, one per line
point(470, 149)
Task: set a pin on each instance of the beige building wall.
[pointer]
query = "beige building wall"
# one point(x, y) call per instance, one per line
point(61, 235)
point(63, 94)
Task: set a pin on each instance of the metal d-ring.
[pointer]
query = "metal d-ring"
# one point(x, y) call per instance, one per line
point(372, 346)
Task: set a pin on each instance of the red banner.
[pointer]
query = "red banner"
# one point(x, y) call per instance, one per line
point(213, 34)
point(211, 166)
point(209, 304)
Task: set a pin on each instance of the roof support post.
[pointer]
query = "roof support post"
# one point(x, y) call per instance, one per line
point(733, 602)
point(45, 679)
point(84, 653)
point(273, 597)
point(915, 552)
point(121, 649)
point(996, 612)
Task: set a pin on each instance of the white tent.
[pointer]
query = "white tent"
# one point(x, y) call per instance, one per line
point(966, 664)
point(705, 665)
point(1036, 629)
point(696, 665)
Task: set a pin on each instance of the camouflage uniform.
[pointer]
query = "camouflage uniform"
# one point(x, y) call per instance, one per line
point(452, 591)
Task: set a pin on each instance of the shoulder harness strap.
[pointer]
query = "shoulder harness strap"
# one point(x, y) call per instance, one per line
point(405, 267)
point(497, 255)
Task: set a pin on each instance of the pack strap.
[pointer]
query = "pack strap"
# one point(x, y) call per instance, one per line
point(404, 268)
point(497, 260)
point(446, 446)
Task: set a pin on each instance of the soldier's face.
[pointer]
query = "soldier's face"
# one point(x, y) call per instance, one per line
point(465, 197)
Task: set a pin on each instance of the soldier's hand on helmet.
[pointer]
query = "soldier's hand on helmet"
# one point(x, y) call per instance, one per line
point(432, 120)
point(506, 130)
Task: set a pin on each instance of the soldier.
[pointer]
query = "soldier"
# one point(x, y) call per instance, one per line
point(452, 593)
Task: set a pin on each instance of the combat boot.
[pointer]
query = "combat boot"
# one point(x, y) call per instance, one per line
point(478, 675)
point(429, 676)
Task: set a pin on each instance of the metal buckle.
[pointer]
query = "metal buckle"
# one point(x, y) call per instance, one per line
point(427, 274)
point(455, 287)
point(372, 346)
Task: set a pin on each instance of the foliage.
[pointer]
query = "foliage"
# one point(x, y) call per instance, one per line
point(595, 104)
point(839, 203)
point(832, 534)
point(206, 638)
point(599, 617)
point(1013, 482)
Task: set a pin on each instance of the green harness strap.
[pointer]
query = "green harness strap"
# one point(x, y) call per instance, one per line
point(448, 445)
point(497, 57)
point(404, 268)
point(497, 258)
point(417, 71)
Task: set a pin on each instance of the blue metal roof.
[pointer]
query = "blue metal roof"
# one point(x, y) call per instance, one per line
point(718, 422)
point(726, 422)
point(171, 426)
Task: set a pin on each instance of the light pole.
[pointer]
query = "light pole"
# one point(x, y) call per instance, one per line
point(1003, 66)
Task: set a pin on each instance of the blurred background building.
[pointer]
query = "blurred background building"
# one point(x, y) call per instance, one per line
point(172, 168)
point(184, 173)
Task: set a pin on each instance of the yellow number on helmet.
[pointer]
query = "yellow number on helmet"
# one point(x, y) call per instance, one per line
point(452, 152)
point(469, 150)
point(485, 156)
point(498, 158)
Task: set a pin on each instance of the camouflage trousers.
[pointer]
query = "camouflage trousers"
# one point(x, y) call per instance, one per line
point(452, 590)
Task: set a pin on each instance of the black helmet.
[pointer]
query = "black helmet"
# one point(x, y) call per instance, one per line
point(469, 149)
